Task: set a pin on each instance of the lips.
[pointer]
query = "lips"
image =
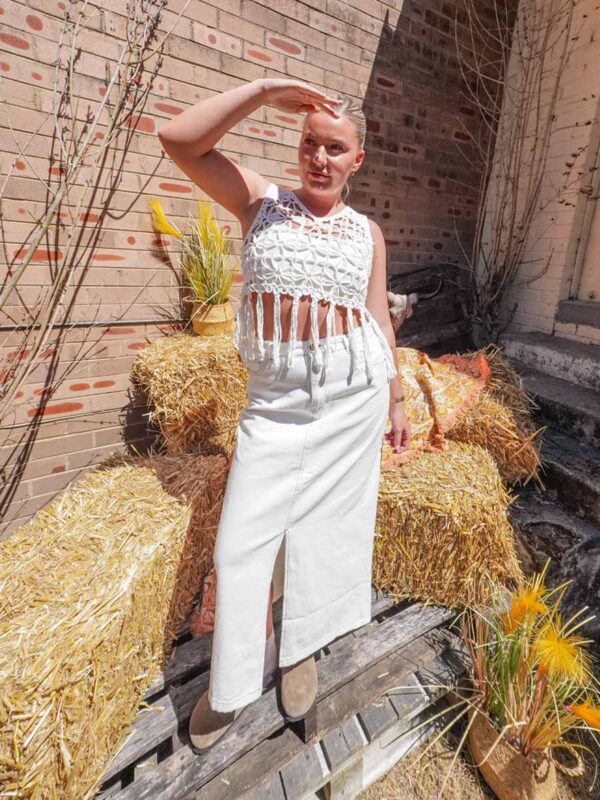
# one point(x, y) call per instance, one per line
point(317, 174)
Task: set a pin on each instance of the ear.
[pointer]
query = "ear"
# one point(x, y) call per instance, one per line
point(358, 160)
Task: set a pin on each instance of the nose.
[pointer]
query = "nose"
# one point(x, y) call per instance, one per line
point(320, 154)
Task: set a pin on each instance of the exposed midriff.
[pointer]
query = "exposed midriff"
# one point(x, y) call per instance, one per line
point(303, 330)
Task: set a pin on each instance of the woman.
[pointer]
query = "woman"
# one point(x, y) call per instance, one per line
point(314, 330)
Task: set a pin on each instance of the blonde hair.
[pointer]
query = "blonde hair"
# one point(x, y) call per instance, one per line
point(351, 109)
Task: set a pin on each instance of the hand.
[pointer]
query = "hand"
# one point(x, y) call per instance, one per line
point(297, 97)
point(400, 434)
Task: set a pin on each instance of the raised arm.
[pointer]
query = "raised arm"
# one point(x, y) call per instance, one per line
point(189, 138)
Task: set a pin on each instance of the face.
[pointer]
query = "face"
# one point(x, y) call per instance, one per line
point(328, 153)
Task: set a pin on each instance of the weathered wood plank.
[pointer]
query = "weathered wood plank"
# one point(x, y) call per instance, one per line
point(437, 677)
point(342, 743)
point(259, 767)
point(410, 698)
point(267, 790)
point(154, 727)
point(374, 681)
point(377, 717)
point(184, 772)
point(304, 774)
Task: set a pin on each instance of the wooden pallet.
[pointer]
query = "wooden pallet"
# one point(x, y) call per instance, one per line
point(263, 754)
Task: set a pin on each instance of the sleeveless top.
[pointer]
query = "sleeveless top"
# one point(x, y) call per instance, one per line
point(288, 250)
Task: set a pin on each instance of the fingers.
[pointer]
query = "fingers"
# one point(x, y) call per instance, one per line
point(322, 100)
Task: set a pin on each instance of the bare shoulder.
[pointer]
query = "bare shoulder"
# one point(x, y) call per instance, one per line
point(377, 234)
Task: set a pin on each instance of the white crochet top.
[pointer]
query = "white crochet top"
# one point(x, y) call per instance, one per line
point(288, 250)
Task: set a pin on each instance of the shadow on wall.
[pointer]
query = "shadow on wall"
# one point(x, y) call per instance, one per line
point(421, 178)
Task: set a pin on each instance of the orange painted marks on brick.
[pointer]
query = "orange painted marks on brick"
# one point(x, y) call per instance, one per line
point(269, 133)
point(4, 67)
point(116, 330)
point(46, 391)
point(131, 240)
point(281, 44)
point(20, 165)
point(58, 408)
point(142, 123)
point(103, 384)
point(99, 135)
point(167, 108)
point(59, 468)
point(21, 210)
point(40, 254)
point(102, 91)
point(14, 41)
point(289, 120)
point(79, 387)
point(35, 23)
point(237, 279)
point(49, 351)
point(36, 76)
point(137, 345)
point(212, 38)
point(260, 54)
point(292, 171)
point(89, 217)
point(58, 171)
point(175, 187)
point(61, 6)
point(254, 130)
point(19, 395)
point(107, 257)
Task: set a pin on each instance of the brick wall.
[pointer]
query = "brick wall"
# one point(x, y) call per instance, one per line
point(397, 56)
point(555, 233)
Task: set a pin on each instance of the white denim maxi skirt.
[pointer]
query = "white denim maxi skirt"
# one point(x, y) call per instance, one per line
point(299, 507)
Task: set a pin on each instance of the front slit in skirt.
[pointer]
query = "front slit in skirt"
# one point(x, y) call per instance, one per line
point(301, 493)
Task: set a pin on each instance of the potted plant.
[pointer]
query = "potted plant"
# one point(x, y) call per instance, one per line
point(529, 683)
point(203, 258)
point(532, 682)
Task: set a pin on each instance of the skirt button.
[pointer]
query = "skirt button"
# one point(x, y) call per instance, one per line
point(312, 347)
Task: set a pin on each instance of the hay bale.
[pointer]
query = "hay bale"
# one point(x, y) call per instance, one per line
point(196, 386)
point(514, 447)
point(442, 528)
point(94, 589)
point(502, 421)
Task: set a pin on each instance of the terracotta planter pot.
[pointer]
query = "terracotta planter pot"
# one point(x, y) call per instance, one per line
point(507, 772)
point(211, 320)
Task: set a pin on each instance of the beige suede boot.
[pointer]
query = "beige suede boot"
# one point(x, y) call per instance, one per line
point(207, 726)
point(298, 688)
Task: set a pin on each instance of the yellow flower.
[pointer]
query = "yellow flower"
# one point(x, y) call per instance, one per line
point(527, 602)
point(586, 712)
point(561, 655)
point(159, 220)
